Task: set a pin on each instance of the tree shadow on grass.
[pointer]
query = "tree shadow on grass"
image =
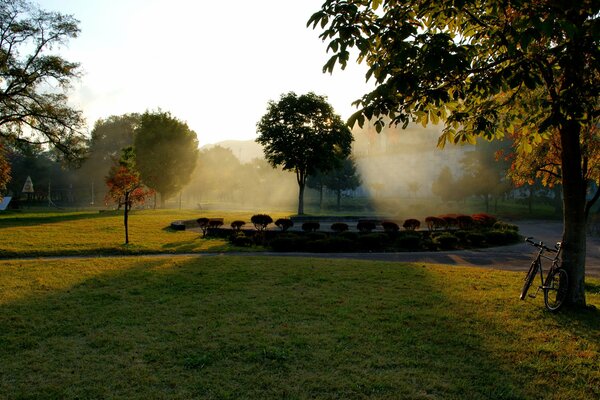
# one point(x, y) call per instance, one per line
point(30, 219)
point(251, 327)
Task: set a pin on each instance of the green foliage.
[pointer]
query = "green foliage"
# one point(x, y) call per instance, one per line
point(304, 135)
point(261, 221)
point(500, 238)
point(366, 226)
point(373, 241)
point(505, 226)
point(237, 224)
point(240, 239)
point(339, 227)
point(311, 226)
point(390, 226)
point(284, 224)
point(34, 79)
point(411, 224)
point(475, 238)
point(446, 241)
point(409, 241)
point(166, 152)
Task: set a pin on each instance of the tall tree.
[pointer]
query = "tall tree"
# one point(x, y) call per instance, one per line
point(109, 136)
point(477, 65)
point(304, 135)
point(166, 151)
point(125, 187)
point(345, 177)
point(34, 80)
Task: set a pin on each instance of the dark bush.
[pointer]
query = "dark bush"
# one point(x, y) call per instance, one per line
point(390, 226)
point(366, 226)
point(461, 235)
point(261, 221)
point(434, 223)
point(288, 243)
point(215, 223)
point(503, 226)
point(311, 226)
point(465, 222)
point(240, 239)
point(475, 238)
point(484, 220)
point(203, 224)
point(284, 224)
point(408, 241)
point(411, 224)
point(353, 236)
point(446, 241)
point(316, 236)
point(339, 227)
point(373, 241)
point(237, 225)
point(330, 245)
point(450, 220)
point(499, 238)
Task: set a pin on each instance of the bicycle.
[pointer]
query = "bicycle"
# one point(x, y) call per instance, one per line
point(555, 285)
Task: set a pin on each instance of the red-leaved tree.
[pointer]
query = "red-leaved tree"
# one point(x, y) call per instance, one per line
point(125, 187)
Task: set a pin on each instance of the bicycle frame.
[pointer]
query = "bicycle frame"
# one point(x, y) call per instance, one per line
point(554, 261)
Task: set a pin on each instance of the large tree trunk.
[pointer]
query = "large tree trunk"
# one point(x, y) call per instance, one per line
point(574, 218)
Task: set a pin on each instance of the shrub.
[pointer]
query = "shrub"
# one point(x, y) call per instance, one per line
point(240, 239)
point(475, 238)
point(288, 243)
point(503, 226)
point(311, 226)
point(450, 220)
point(411, 224)
point(261, 221)
point(434, 223)
point(461, 235)
point(410, 241)
point(446, 241)
point(284, 224)
point(215, 223)
point(332, 244)
point(373, 241)
point(495, 237)
point(316, 236)
point(339, 227)
point(203, 224)
point(484, 220)
point(353, 236)
point(237, 225)
point(366, 226)
point(465, 222)
point(390, 226)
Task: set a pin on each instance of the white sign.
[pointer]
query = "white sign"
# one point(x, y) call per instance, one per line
point(4, 203)
point(28, 186)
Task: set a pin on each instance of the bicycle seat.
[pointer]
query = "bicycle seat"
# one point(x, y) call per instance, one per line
point(558, 245)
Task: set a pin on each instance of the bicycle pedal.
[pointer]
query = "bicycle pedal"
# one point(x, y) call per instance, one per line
point(532, 295)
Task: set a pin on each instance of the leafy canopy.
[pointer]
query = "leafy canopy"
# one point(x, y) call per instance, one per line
point(303, 134)
point(471, 63)
point(34, 80)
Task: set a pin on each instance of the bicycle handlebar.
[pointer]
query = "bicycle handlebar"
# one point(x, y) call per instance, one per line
point(540, 245)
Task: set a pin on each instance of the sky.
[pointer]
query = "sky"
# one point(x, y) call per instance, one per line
point(212, 64)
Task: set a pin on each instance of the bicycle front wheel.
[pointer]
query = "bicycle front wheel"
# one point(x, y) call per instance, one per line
point(555, 289)
point(535, 265)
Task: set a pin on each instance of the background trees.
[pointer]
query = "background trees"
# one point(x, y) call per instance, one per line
point(166, 150)
point(487, 69)
point(303, 134)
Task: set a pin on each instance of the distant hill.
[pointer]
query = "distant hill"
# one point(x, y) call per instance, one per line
point(244, 150)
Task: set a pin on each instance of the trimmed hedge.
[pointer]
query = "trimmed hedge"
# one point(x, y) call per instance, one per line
point(284, 224)
point(339, 227)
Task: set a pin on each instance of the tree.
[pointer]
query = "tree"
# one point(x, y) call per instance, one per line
point(34, 81)
point(166, 151)
point(125, 187)
point(108, 137)
point(478, 66)
point(4, 171)
point(342, 178)
point(304, 135)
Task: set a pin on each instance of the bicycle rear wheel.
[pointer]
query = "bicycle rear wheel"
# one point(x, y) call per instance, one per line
point(555, 289)
point(535, 265)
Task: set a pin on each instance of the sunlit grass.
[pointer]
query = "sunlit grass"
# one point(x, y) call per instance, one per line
point(60, 233)
point(255, 327)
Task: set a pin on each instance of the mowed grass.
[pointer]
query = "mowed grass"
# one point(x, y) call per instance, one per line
point(41, 233)
point(225, 327)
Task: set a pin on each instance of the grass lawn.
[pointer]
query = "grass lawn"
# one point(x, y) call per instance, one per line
point(32, 233)
point(223, 327)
